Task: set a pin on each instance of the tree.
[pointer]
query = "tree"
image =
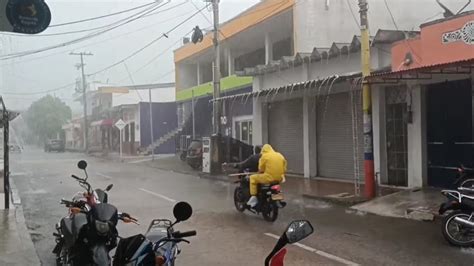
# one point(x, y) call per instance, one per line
point(46, 116)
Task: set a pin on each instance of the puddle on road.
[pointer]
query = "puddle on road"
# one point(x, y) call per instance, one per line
point(469, 251)
point(312, 204)
point(355, 212)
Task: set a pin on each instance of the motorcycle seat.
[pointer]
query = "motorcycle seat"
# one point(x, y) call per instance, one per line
point(155, 236)
point(268, 186)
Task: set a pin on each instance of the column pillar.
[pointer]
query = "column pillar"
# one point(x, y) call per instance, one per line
point(198, 73)
point(230, 63)
point(379, 126)
point(268, 48)
point(417, 153)
point(260, 116)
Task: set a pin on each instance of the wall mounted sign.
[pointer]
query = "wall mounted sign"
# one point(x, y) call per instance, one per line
point(27, 16)
point(465, 34)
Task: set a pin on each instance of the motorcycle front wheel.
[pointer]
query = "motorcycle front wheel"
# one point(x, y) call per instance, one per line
point(239, 199)
point(270, 211)
point(456, 233)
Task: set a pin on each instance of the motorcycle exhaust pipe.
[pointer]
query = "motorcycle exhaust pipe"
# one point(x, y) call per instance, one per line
point(464, 222)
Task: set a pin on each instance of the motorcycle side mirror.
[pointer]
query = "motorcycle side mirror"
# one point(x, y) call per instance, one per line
point(182, 211)
point(82, 165)
point(109, 187)
point(298, 230)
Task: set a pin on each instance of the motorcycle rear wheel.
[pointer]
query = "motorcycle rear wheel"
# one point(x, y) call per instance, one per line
point(270, 211)
point(455, 233)
point(239, 199)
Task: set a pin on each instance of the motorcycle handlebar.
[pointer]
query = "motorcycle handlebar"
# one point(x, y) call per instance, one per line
point(178, 234)
point(76, 177)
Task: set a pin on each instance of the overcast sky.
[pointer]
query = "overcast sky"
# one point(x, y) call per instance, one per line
point(54, 68)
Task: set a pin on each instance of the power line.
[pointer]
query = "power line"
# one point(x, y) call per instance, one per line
point(97, 42)
point(90, 29)
point(396, 26)
point(146, 46)
point(104, 16)
point(89, 36)
point(41, 92)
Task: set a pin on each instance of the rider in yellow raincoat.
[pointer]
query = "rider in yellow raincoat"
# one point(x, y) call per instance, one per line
point(271, 167)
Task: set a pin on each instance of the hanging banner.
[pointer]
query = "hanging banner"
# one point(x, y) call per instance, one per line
point(24, 16)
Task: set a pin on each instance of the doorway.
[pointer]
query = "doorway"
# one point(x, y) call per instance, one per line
point(396, 135)
point(449, 130)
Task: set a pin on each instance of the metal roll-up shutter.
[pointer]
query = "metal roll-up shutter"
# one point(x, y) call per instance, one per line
point(335, 138)
point(285, 132)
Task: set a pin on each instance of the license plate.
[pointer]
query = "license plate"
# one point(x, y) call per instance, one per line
point(277, 196)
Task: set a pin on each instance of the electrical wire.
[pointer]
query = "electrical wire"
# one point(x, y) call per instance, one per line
point(103, 16)
point(153, 59)
point(66, 86)
point(353, 14)
point(396, 26)
point(90, 29)
point(97, 42)
point(146, 46)
point(86, 37)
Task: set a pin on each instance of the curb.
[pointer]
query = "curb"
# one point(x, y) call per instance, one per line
point(23, 231)
point(346, 202)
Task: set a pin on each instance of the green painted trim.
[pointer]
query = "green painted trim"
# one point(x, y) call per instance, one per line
point(227, 83)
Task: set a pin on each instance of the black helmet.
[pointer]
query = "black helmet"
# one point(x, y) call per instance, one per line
point(258, 149)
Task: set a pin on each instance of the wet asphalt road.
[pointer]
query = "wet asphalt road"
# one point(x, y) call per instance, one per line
point(225, 237)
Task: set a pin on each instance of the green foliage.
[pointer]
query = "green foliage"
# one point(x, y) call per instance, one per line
point(46, 116)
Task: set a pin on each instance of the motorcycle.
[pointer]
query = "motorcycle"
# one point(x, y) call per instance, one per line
point(295, 232)
point(88, 233)
point(465, 177)
point(159, 245)
point(270, 198)
point(458, 225)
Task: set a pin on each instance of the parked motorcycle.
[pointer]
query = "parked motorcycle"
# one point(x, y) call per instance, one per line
point(458, 225)
point(88, 233)
point(296, 231)
point(159, 245)
point(270, 198)
point(465, 177)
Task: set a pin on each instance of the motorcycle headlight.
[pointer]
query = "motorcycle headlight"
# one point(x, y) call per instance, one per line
point(102, 227)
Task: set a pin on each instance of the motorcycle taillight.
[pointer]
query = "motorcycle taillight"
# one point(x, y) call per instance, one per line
point(276, 188)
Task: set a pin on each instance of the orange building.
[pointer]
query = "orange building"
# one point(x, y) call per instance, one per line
point(429, 103)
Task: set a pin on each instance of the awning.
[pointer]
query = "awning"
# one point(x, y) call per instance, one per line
point(103, 122)
point(425, 72)
point(293, 87)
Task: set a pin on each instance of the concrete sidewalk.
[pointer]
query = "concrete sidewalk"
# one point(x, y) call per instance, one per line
point(416, 204)
point(16, 246)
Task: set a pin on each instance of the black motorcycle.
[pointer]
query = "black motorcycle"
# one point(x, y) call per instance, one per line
point(270, 198)
point(88, 233)
point(464, 177)
point(159, 245)
point(458, 225)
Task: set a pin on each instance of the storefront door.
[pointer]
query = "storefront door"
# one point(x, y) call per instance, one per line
point(449, 130)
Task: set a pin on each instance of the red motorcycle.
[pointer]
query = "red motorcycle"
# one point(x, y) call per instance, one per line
point(295, 232)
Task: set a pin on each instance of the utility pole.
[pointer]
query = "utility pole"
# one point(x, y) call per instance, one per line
point(84, 98)
point(217, 71)
point(367, 102)
point(151, 126)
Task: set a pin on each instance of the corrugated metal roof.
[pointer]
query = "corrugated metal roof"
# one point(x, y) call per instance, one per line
point(326, 53)
point(468, 62)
